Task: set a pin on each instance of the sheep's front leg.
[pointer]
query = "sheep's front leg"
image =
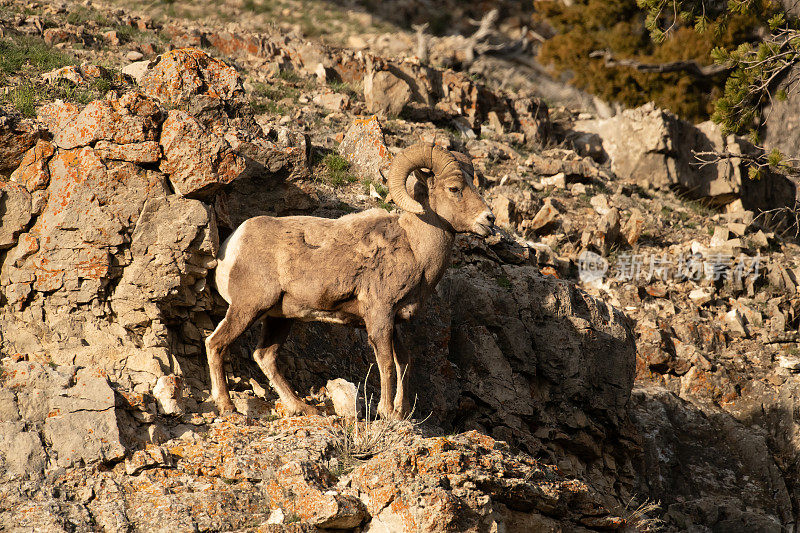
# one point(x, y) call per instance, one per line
point(273, 334)
point(402, 361)
point(236, 321)
point(380, 327)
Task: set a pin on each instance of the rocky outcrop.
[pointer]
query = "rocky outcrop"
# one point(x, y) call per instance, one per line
point(706, 468)
point(279, 476)
point(522, 357)
point(104, 261)
point(781, 128)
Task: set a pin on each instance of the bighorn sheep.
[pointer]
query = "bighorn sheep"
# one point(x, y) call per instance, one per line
point(367, 269)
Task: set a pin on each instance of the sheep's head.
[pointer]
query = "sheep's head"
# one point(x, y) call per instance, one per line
point(448, 191)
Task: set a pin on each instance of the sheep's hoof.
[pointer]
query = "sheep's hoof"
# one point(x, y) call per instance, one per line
point(401, 414)
point(308, 410)
point(225, 407)
point(388, 414)
point(295, 408)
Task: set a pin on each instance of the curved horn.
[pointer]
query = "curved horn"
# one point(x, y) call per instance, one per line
point(420, 155)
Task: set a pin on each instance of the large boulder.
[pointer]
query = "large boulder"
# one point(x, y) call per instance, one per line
point(385, 93)
point(365, 149)
point(62, 416)
point(654, 148)
point(197, 161)
point(180, 76)
point(132, 118)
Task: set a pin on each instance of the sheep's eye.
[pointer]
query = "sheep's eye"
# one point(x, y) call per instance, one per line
point(454, 190)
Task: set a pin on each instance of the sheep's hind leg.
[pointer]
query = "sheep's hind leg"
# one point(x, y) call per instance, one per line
point(235, 323)
point(273, 334)
point(402, 362)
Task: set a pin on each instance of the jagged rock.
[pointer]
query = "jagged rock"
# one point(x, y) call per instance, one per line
point(633, 227)
point(15, 212)
point(197, 161)
point(155, 456)
point(58, 115)
point(82, 423)
point(76, 246)
point(17, 136)
point(173, 246)
point(32, 172)
point(544, 218)
point(363, 146)
point(74, 409)
point(306, 485)
point(179, 76)
point(448, 502)
point(504, 210)
point(385, 93)
point(131, 118)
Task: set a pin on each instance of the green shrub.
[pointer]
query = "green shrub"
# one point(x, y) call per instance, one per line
point(337, 170)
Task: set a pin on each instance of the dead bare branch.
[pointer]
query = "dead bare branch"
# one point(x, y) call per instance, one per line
point(690, 67)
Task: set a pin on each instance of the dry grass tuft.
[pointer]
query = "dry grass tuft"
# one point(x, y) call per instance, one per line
point(358, 441)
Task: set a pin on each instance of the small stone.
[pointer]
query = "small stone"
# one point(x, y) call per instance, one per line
point(735, 322)
point(545, 218)
point(136, 70)
point(719, 238)
point(759, 240)
point(344, 396)
point(495, 123)
point(504, 210)
point(559, 181)
point(735, 206)
point(699, 297)
point(276, 516)
point(737, 228)
point(789, 362)
point(168, 392)
point(634, 226)
point(600, 204)
point(111, 38)
point(134, 55)
point(578, 189)
point(332, 101)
